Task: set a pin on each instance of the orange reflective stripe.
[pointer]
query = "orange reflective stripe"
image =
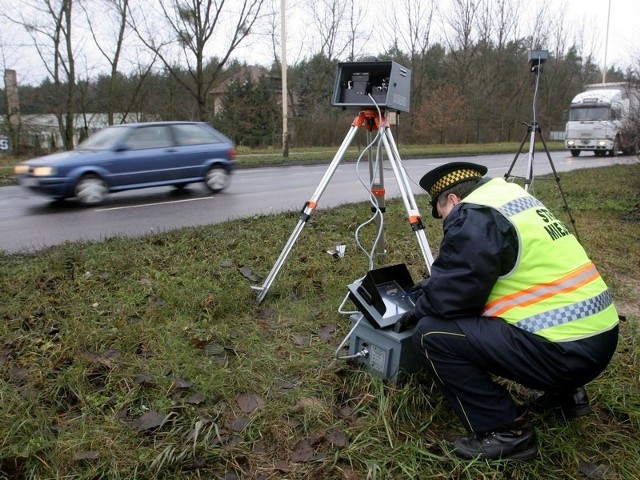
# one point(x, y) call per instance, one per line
point(537, 293)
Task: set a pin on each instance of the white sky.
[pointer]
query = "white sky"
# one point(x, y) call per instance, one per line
point(624, 37)
point(585, 18)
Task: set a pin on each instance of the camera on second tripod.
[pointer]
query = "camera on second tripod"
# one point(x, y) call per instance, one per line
point(536, 59)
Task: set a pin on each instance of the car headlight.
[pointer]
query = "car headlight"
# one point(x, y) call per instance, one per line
point(21, 169)
point(571, 143)
point(602, 143)
point(43, 171)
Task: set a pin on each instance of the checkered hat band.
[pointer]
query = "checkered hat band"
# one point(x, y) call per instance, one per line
point(453, 177)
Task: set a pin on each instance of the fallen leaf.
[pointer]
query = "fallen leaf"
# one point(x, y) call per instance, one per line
point(196, 399)
point(180, 383)
point(4, 356)
point(302, 452)
point(259, 446)
point(19, 375)
point(596, 471)
point(145, 379)
point(338, 438)
point(326, 333)
point(239, 424)
point(86, 455)
point(300, 340)
point(264, 312)
point(284, 384)
point(282, 467)
point(248, 274)
point(148, 421)
point(248, 403)
point(214, 350)
point(346, 412)
point(307, 403)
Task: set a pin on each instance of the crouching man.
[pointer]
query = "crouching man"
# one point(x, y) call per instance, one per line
point(511, 294)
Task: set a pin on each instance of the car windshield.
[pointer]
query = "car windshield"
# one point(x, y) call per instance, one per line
point(105, 139)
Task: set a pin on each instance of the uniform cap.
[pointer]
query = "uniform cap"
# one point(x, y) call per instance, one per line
point(446, 176)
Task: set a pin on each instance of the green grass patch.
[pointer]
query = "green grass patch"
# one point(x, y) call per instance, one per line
point(150, 358)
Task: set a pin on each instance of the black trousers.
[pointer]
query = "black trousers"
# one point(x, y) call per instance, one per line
point(463, 355)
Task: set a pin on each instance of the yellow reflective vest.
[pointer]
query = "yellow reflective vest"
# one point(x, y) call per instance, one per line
point(554, 290)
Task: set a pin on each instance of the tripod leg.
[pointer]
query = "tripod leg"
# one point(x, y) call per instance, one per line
point(532, 149)
point(376, 182)
point(524, 139)
point(408, 199)
point(307, 210)
point(557, 179)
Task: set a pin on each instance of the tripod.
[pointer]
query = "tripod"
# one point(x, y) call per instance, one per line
point(371, 120)
point(533, 128)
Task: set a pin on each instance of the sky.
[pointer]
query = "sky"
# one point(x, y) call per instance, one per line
point(623, 37)
point(589, 16)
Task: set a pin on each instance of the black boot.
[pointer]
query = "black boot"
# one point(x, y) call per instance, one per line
point(515, 442)
point(572, 404)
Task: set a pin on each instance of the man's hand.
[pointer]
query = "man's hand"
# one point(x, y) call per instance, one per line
point(405, 322)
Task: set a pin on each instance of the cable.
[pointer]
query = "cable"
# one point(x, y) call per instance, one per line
point(344, 341)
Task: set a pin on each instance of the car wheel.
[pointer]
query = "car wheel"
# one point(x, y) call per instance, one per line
point(217, 179)
point(575, 153)
point(91, 190)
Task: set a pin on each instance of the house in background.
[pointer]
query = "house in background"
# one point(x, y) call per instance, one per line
point(254, 74)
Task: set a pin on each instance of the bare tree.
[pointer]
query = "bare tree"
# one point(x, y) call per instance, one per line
point(49, 24)
point(328, 17)
point(118, 10)
point(461, 37)
point(411, 26)
point(356, 34)
point(196, 27)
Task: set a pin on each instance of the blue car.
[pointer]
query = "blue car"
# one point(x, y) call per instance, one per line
point(131, 156)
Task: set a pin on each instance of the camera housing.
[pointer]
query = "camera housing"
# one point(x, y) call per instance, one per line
point(367, 84)
point(537, 58)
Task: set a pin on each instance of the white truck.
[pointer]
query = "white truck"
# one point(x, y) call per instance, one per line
point(605, 118)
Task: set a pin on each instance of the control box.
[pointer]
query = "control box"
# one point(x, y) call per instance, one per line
point(390, 355)
point(367, 84)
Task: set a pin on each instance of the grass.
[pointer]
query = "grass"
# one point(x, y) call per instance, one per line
point(150, 358)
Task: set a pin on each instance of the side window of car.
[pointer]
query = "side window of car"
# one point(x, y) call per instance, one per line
point(194, 135)
point(157, 136)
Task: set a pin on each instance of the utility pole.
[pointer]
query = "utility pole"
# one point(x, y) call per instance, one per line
point(606, 45)
point(13, 108)
point(285, 92)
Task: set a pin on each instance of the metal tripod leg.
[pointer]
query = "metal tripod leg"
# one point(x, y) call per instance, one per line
point(408, 199)
point(307, 210)
point(532, 129)
point(528, 179)
point(557, 179)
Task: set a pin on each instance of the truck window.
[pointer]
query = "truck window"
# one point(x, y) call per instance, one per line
point(580, 114)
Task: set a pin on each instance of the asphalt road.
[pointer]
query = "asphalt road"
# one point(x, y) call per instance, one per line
point(30, 222)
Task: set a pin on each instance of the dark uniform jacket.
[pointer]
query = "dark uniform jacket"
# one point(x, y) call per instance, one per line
point(479, 245)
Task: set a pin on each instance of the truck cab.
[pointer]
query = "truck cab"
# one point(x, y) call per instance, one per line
point(601, 120)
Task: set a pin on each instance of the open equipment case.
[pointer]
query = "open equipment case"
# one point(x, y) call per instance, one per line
point(382, 297)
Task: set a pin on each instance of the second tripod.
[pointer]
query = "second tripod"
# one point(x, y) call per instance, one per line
point(536, 60)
